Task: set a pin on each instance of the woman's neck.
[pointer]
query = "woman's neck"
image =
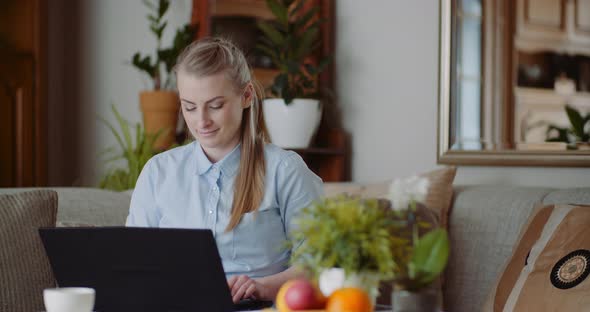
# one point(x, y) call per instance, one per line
point(218, 153)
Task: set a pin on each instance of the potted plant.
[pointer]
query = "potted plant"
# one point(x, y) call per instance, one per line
point(356, 242)
point(419, 248)
point(136, 154)
point(345, 243)
point(160, 106)
point(577, 135)
point(290, 41)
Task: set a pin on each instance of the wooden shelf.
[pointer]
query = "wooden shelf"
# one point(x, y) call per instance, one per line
point(265, 76)
point(255, 8)
point(329, 155)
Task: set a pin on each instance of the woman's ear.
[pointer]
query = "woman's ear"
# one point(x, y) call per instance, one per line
point(248, 96)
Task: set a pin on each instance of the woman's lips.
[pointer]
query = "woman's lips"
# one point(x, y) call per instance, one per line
point(207, 133)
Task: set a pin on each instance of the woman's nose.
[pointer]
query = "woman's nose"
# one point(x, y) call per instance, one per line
point(203, 117)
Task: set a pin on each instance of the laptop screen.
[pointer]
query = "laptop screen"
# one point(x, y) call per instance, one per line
point(140, 269)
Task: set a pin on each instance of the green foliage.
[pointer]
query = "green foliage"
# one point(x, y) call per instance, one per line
point(344, 232)
point(288, 41)
point(164, 56)
point(578, 131)
point(364, 235)
point(429, 259)
point(136, 154)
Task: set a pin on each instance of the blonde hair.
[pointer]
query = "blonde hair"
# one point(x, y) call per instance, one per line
point(210, 56)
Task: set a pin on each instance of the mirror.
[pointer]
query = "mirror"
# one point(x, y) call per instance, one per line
point(514, 82)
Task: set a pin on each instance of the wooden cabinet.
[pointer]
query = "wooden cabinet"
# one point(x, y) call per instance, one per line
point(553, 25)
point(582, 18)
point(236, 19)
point(23, 83)
point(542, 18)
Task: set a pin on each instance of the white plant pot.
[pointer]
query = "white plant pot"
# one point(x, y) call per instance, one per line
point(293, 125)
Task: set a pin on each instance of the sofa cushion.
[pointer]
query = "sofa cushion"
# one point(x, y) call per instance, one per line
point(573, 196)
point(24, 267)
point(85, 205)
point(332, 189)
point(550, 261)
point(485, 224)
point(438, 198)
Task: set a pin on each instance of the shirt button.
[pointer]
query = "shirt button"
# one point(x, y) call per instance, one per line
point(210, 211)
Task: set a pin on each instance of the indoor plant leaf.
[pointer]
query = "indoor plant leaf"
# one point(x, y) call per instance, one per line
point(431, 252)
point(576, 121)
point(280, 11)
point(275, 36)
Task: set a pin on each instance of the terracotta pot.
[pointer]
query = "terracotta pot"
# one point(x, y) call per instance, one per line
point(160, 112)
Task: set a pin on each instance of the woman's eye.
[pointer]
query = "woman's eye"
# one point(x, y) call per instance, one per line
point(216, 105)
point(189, 109)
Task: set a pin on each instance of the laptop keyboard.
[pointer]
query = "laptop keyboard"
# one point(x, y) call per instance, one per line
point(250, 304)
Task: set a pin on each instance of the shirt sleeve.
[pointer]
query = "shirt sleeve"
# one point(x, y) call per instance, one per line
point(143, 210)
point(297, 188)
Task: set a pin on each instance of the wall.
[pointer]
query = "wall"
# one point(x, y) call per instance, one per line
point(386, 69)
point(105, 34)
point(386, 55)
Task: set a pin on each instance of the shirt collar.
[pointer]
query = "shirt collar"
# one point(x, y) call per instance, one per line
point(228, 165)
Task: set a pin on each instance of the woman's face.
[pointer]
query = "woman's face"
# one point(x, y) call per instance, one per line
point(213, 111)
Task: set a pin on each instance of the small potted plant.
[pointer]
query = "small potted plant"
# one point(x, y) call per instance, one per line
point(136, 154)
point(577, 135)
point(345, 243)
point(292, 118)
point(420, 248)
point(160, 106)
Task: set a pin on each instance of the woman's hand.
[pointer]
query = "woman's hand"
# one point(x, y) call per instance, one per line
point(243, 287)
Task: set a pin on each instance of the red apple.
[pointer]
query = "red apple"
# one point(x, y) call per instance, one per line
point(301, 295)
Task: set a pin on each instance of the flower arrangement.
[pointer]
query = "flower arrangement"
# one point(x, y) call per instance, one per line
point(393, 239)
point(420, 249)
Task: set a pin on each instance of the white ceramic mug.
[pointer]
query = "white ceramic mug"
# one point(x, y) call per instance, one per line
point(69, 299)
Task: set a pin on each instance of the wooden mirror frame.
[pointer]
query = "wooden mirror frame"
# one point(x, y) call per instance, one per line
point(497, 97)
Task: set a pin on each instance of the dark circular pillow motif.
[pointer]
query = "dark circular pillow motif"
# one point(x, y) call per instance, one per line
point(571, 270)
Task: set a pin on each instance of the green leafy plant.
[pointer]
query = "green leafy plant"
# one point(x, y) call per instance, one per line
point(578, 131)
point(366, 235)
point(344, 232)
point(165, 57)
point(136, 154)
point(420, 250)
point(289, 41)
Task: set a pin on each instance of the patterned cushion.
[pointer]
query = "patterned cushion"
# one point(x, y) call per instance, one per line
point(484, 227)
point(550, 261)
point(24, 267)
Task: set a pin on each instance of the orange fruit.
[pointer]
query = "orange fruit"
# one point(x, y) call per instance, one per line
point(349, 300)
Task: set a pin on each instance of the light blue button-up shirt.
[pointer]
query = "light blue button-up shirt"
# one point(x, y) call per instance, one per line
point(181, 188)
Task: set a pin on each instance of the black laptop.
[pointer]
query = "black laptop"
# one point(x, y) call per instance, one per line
point(143, 269)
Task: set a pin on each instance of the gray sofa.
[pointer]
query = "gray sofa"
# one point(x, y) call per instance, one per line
point(484, 225)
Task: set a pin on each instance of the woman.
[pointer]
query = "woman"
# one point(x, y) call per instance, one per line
point(229, 180)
